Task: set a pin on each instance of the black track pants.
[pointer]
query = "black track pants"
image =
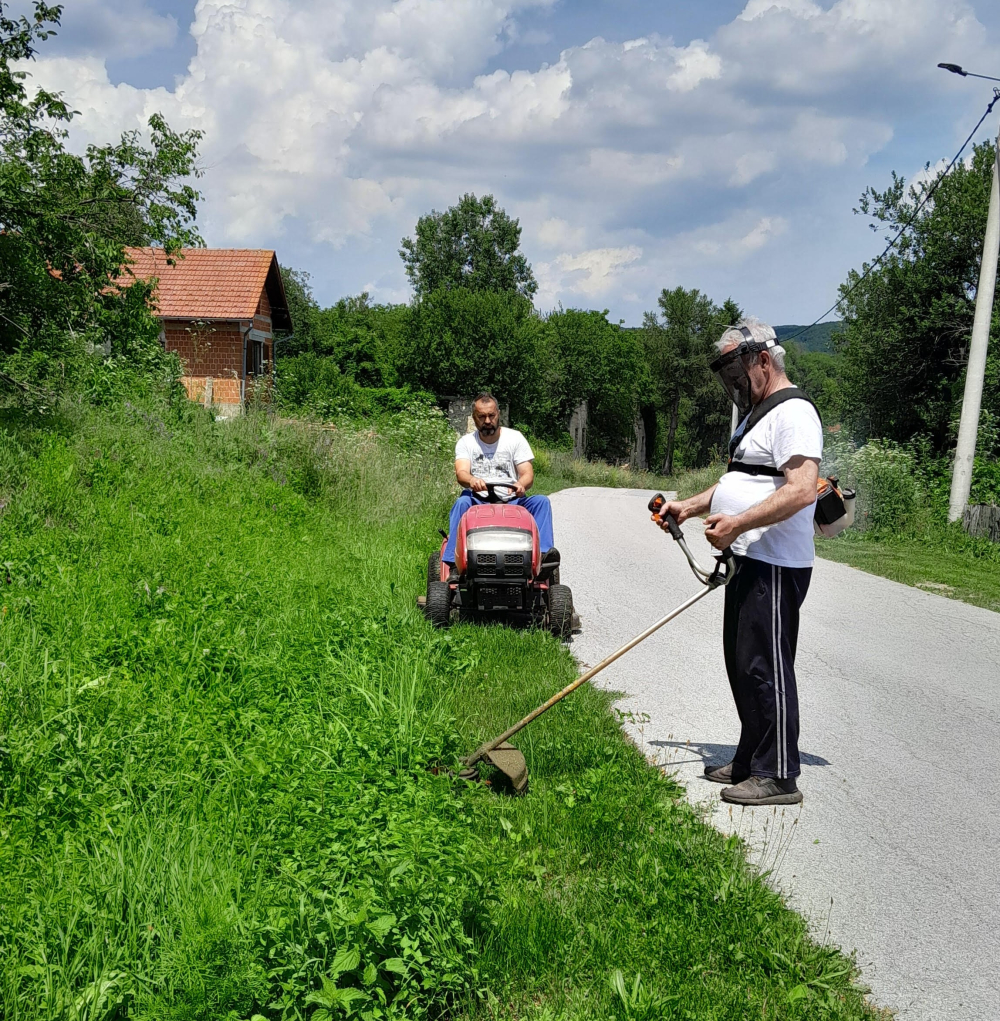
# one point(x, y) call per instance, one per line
point(759, 634)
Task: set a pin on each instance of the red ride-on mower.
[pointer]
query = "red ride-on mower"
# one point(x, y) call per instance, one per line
point(500, 573)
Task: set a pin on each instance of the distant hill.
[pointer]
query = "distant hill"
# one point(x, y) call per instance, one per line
point(816, 338)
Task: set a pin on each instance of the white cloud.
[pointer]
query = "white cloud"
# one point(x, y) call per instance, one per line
point(695, 64)
point(588, 274)
point(556, 233)
point(750, 165)
point(733, 240)
point(760, 8)
point(597, 267)
point(330, 126)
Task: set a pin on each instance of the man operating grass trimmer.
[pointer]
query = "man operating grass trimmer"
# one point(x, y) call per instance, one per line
point(762, 509)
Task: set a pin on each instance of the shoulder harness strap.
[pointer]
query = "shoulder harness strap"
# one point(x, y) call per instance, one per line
point(789, 393)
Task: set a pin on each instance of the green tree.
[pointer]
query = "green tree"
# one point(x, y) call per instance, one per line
point(457, 342)
point(360, 337)
point(591, 359)
point(819, 374)
point(907, 324)
point(679, 342)
point(303, 310)
point(473, 245)
point(66, 219)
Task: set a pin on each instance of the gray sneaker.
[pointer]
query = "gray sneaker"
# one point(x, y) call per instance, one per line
point(763, 790)
point(720, 774)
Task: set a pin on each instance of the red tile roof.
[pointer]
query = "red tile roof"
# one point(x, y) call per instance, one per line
point(211, 283)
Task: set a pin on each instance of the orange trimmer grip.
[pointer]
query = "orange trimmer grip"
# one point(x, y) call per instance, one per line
point(656, 505)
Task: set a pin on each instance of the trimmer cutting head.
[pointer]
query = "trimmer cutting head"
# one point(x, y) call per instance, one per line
point(510, 762)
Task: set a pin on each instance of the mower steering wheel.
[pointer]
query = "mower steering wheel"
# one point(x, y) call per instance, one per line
point(490, 486)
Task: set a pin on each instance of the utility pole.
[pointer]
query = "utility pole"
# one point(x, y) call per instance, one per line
point(965, 451)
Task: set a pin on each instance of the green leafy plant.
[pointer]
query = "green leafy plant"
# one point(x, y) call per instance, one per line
point(224, 725)
point(65, 220)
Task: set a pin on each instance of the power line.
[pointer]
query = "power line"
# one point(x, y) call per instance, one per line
point(909, 223)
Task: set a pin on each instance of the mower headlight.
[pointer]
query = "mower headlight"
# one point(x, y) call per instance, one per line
point(498, 540)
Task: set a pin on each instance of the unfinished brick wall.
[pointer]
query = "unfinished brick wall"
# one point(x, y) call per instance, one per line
point(208, 350)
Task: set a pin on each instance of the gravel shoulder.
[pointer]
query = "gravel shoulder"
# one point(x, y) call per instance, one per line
point(894, 852)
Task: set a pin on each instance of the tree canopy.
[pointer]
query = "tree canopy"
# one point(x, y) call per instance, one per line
point(907, 324)
point(473, 246)
point(65, 219)
point(679, 340)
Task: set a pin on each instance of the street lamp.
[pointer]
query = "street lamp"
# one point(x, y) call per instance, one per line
point(958, 69)
point(968, 428)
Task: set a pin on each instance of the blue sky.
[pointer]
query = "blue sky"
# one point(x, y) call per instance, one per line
point(712, 144)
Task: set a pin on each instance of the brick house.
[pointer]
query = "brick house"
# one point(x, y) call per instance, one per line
point(218, 308)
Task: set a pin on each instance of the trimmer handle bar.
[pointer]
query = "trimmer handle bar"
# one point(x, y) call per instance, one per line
point(713, 578)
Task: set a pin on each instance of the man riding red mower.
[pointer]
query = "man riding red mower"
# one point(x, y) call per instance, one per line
point(498, 558)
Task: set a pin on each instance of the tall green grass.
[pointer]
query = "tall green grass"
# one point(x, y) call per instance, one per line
point(558, 469)
point(218, 706)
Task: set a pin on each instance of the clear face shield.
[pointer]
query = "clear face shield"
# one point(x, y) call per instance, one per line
point(731, 371)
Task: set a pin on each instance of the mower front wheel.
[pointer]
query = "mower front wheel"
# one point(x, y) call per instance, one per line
point(438, 606)
point(560, 611)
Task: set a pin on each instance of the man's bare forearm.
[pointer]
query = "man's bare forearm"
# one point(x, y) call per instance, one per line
point(696, 506)
point(779, 506)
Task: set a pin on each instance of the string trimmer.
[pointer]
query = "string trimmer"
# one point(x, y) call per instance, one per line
point(508, 759)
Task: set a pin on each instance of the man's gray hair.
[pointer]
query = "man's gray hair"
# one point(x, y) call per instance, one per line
point(485, 397)
point(760, 332)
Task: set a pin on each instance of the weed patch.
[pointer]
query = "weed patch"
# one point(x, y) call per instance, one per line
point(218, 705)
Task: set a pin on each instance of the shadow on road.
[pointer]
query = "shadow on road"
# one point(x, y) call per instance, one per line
point(712, 755)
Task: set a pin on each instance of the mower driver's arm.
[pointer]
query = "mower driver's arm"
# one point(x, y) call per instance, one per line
point(463, 473)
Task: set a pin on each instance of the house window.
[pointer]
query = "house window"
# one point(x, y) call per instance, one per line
point(255, 357)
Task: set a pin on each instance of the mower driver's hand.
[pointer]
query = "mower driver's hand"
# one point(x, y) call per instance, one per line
point(477, 485)
point(519, 489)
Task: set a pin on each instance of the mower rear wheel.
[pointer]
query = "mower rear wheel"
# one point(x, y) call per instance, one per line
point(560, 611)
point(437, 609)
point(434, 568)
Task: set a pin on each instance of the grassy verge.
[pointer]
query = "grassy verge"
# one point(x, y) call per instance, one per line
point(218, 705)
point(948, 563)
point(555, 470)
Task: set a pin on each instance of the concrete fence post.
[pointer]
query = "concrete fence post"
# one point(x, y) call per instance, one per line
point(578, 430)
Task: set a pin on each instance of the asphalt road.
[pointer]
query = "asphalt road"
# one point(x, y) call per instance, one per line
point(895, 853)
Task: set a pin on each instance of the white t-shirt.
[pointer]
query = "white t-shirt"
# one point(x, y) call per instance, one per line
point(495, 462)
point(791, 429)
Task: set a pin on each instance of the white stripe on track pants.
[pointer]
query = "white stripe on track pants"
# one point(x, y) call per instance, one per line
point(759, 634)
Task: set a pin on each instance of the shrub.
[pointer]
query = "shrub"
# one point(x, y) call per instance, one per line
point(315, 385)
point(890, 495)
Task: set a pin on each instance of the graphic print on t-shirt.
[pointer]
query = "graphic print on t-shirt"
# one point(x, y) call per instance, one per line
point(495, 462)
point(488, 466)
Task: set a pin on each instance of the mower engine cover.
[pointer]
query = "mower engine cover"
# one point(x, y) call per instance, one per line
point(498, 555)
